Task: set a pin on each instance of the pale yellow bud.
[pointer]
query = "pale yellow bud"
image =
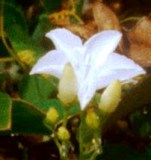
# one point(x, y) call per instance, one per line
point(52, 116)
point(110, 97)
point(26, 56)
point(63, 134)
point(92, 119)
point(68, 85)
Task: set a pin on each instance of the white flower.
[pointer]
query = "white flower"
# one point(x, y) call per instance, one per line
point(94, 62)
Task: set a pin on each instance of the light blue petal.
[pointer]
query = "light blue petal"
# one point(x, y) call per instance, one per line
point(86, 91)
point(99, 46)
point(64, 40)
point(51, 63)
point(117, 67)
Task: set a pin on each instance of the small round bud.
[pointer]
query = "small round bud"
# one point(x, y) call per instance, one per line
point(52, 116)
point(92, 119)
point(68, 85)
point(26, 56)
point(110, 97)
point(63, 134)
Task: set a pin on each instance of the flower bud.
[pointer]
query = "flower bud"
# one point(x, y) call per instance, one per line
point(110, 97)
point(63, 134)
point(68, 85)
point(92, 119)
point(26, 56)
point(52, 116)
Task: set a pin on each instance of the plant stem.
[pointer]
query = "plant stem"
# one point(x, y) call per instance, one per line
point(81, 150)
point(62, 153)
point(94, 155)
point(97, 148)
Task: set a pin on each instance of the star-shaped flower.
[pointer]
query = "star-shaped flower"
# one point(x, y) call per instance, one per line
point(94, 62)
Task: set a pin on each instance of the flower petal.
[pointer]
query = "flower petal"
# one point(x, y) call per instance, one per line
point(64, 40)
point(99, 46)
point(51, 63)
point(86, 92)
point(117, 62)
point(105, 80)
point(117, 67)
point(87, 89)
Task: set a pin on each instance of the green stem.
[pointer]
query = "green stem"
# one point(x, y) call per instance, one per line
point(65, 119)
point(94, 155)
point(57, 142)
point(64, 153)
point(80, 135)
point(61, 147)
point(98, 147)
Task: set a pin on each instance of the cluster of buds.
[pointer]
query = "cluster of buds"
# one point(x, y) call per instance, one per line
point(26, 57)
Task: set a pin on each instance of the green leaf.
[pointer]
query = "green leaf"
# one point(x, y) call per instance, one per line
point(27, 119)
point(18, 33)
point(39, 34)
point(14, 15)
point(5, 112)
point(44, 105)
point(42, 93)
point(36, 88)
